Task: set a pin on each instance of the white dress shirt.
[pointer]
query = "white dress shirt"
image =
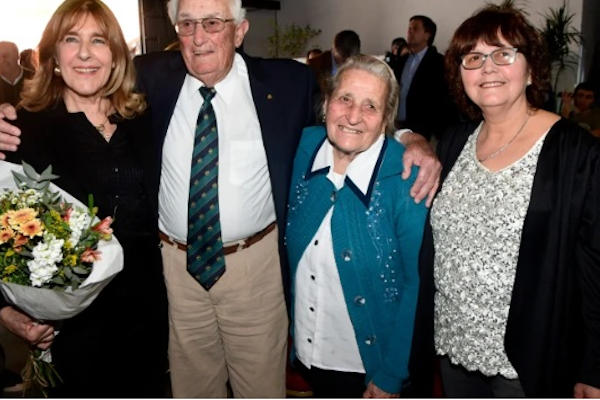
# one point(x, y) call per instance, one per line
point(245, 198)
point(323, 333)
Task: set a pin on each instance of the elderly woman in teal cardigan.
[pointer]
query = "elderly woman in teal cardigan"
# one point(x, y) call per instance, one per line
point(353, 239)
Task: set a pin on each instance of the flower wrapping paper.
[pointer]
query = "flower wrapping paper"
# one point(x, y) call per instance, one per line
point(54, 305)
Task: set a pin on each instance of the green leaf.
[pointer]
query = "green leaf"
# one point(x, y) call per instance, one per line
point(58, 280)
point(80, 270)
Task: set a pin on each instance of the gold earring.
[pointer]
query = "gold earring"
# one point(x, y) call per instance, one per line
point(57, 70)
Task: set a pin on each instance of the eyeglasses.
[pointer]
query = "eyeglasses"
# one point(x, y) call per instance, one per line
point(503, 56)
point(187, 27)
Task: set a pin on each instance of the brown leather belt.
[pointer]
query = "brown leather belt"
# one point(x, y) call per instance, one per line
point(242, 244)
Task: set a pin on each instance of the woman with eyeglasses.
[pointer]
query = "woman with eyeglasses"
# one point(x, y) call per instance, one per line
point(511, 258)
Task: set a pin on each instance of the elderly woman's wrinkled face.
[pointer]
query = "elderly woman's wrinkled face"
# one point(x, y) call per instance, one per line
point(355, 112)
point(494, 86)
point(84, 58)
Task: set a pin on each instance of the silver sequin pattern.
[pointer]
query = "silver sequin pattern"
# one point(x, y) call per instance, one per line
point(477, 220)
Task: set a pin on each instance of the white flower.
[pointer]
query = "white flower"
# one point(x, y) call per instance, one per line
point(78, 221)
point(45, 256)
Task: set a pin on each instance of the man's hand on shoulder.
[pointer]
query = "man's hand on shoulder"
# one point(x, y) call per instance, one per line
point(9, 134)
point(583, 391)
point(420, 153)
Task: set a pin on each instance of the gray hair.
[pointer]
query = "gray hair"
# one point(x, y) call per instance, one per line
point(235, 6)
point(379, 69)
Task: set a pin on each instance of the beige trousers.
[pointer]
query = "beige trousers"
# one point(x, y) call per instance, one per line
point(237, 331)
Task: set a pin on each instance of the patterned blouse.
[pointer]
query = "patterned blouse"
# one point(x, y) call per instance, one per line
point(477, 219)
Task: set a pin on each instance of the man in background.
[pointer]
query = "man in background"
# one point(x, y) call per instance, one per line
point(11, 74)
point(581, 107)
point(425, 104)
point(345, 44)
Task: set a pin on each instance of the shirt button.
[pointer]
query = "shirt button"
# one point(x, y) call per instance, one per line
point(316, 242)
point(116, 197)
point(311, 309)
point(309, 340)
point(346, 255)
point(333, 196)
point(312, 277)
point(116, 170)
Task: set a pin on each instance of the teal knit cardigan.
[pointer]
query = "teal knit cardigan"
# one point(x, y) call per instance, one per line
point(376, 241)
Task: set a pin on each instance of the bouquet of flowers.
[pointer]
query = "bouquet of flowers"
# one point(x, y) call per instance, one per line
point(55, 254)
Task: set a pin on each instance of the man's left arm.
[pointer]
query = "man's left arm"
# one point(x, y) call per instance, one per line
point(420, 153)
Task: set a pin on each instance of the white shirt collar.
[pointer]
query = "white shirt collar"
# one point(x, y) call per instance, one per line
point(226, 88)
point(16, 80)
point(360, 170)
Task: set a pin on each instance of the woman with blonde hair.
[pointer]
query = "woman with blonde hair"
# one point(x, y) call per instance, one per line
point(80, 114)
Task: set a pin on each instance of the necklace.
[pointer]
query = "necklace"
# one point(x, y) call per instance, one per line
point(504, 146)
point(101, 128)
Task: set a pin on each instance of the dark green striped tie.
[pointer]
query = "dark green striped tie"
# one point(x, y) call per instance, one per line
point(205, 260)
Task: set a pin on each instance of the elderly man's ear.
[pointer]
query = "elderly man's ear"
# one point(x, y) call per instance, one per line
point(240, 32)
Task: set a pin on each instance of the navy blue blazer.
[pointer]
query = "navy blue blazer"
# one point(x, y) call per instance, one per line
point(283, 93)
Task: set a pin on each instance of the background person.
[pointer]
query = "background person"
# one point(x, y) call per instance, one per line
point(312, 53)
point(581, 107)
point(28, 60)
point(398, 49)
point(346, 43)
point(423, 88)
point(353, 239)
point(80, 115)
point(11, 73)
point(510, 278)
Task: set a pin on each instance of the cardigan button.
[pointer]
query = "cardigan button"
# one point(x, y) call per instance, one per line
point(333, 196)
point(346, 255)
point(360, 300)
point(370, 340)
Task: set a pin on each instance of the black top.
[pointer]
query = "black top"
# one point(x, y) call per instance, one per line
point(87, 164)
point(553, 330)
point(117, 346)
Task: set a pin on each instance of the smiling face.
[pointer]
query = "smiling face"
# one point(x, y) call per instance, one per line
point(85, 59)
point(355, 113)
point(209, 56)
point(492, 86)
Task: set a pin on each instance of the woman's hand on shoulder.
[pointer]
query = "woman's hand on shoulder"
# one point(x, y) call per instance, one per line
point(373, 392)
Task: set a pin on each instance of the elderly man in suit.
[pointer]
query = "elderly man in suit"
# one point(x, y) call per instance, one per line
point(225, 128)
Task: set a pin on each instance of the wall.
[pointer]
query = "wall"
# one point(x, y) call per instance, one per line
point(379, 21)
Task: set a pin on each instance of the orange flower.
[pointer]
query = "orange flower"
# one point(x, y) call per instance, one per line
point(6, 234)
point(20, 240)
point(90, 255)
point(32, 228)
point(67, 215)
point(4, 219)
point(103, 227)
point(22, 216)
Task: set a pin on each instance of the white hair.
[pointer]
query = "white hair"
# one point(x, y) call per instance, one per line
point(235, 6)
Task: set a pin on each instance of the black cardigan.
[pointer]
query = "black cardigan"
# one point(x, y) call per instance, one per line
point(553, 331)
